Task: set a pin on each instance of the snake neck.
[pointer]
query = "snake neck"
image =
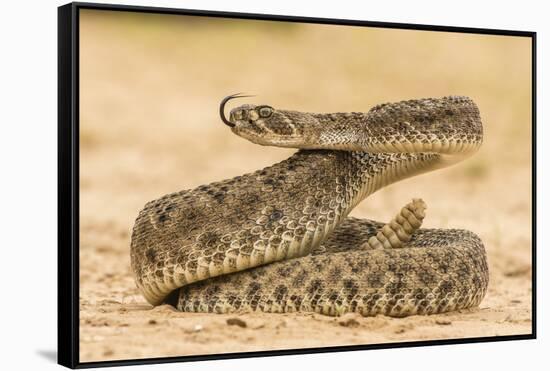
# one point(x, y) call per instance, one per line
point(450, 127)
point(360, 174)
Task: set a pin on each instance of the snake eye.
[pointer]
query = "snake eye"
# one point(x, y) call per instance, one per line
point(265, 111)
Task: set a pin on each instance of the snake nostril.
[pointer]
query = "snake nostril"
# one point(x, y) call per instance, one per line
point(238, 115)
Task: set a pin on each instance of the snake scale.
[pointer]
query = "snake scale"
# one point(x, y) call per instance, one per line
point(279, 239)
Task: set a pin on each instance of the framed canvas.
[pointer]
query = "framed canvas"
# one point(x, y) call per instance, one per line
point(242, 185)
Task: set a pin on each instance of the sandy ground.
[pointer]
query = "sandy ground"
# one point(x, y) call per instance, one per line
point(150, 86)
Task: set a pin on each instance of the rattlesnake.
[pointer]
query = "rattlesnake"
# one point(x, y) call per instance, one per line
point(279, 239)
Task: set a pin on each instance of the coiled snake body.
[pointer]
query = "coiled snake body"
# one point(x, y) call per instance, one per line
point(279, 239)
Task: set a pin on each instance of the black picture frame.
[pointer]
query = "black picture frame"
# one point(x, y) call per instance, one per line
point(68, 181)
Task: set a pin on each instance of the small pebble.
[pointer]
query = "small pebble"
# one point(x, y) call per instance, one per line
point(443, 322)
point(197, 328)
point(348, 320)
point(236, 322)
point(152, 322)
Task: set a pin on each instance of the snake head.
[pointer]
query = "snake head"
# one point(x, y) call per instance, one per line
point(265, 125)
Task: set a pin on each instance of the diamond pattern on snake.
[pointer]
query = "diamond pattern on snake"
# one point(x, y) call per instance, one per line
point(280, 240)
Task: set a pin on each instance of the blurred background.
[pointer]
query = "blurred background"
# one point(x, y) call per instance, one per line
point(150, 86)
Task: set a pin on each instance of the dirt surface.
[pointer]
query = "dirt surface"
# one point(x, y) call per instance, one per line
point(150, 88)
